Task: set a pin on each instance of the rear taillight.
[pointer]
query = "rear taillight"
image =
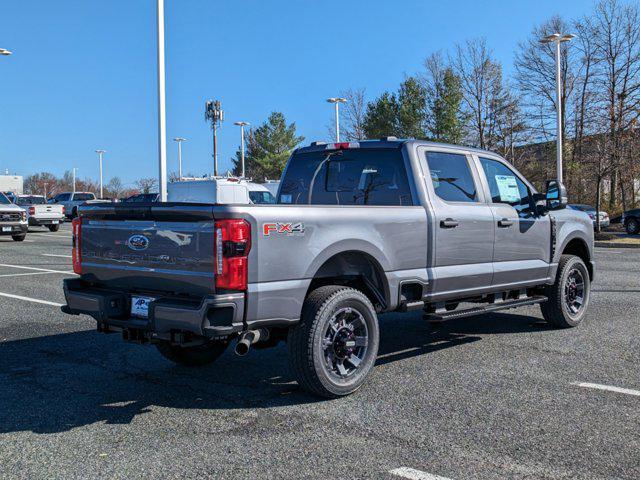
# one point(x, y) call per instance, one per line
point(32, 210)
point(232, 245)
point(76, 242)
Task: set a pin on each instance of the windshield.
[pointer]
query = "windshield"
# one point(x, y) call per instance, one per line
point(261, 197)
point(4, 200)
point(583, 208)
point(30, 200)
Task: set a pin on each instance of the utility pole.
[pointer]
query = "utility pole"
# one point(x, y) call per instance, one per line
point(558, 39)
point(162, 120)
point(213, 113)
point(74, 179)
point(242, 125)
point(179, 140)
point(337, 102)
point(100, 153)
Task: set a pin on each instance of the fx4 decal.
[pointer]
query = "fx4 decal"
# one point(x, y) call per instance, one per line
point(287, 229)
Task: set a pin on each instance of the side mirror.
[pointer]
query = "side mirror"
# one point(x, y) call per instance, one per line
point(556, 196)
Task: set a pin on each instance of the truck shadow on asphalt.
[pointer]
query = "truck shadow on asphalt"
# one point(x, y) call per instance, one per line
point(59, 382)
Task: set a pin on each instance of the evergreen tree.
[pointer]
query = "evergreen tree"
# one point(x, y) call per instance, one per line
point(268, 148)
point(447, 120)
point(380, 119)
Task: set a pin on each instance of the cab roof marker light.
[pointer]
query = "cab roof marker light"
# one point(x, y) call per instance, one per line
point(342, 146)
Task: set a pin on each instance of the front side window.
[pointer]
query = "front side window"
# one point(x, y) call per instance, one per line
point(451, 177)
point(505, 186)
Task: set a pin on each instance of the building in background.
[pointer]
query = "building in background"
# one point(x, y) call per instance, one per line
point(12, 183)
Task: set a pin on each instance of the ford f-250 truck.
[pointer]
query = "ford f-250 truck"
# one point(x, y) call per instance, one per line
point(359, 229)
point(13, 220)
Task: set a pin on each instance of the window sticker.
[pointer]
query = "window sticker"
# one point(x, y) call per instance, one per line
point(285, 198)
point(508, 188)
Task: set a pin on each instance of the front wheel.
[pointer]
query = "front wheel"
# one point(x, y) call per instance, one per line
point(334, 348)
point(53, 228)
point(632, 226)
point(192, 356)
point(568, 297)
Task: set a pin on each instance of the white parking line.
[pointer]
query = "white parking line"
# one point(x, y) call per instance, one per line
point(29, 299)
point(37, 269)
point(55, 255)
point(24, 274)
point(52, 235)
point(413, 474)
point(609, 388)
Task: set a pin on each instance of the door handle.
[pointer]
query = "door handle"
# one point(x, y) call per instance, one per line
point(505, 222)
point(449, 223)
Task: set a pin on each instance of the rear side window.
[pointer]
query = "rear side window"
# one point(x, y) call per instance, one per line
point(347, 177)
point(451, 177)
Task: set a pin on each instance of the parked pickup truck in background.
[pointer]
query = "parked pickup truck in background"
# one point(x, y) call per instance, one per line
point(13, 219)
point(39, 213)
point(72, 200)
point(359, 229)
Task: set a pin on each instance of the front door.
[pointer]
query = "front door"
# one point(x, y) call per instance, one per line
point(463, 226)
point(522, 237)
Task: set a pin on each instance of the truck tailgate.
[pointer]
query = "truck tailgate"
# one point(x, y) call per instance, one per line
point(161, 248)
point(45, 212)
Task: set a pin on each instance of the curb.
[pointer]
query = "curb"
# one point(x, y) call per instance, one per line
point(615, 245)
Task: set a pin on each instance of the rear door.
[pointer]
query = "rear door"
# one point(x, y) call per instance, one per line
point(523, 238)
point(464, 233)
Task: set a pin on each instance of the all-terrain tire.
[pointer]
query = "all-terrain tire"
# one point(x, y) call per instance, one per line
point(558, 310)
point(19, 238)
point(192, 356)
point(53, 228)
point(306, 342)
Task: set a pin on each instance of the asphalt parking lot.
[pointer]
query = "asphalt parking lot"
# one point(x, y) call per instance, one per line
point(500, 396)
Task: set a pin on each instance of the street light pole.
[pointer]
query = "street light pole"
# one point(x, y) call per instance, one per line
point(162, 121)
point(179, 140)
point(242, 125)
point(337, 102)
point(100, 153)
point(74, 179)
point(558, 39)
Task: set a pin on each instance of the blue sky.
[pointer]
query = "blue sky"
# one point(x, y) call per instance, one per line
point(83, 73)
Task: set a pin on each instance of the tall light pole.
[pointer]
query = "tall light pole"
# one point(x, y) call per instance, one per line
point(5, 52)
point(74, 179)
point(337, 102)
point(100, 153)
point(179, 140)
point(213, 113)
point(162, 120)
point(558, 39)
point(242, 125)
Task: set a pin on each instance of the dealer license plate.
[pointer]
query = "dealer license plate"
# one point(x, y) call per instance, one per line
point(7, 229)
point(140, 306)
point(55, 222)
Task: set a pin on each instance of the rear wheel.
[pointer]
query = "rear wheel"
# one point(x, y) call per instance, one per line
point(19, 238)
point(192, 356)
point(53, 228)
point(569, 295)
point(334, 348)
point(632, 226)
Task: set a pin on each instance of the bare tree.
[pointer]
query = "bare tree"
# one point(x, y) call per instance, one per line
point(146, 185)
point(352, 114)
point(483, 90)
point(616, 36)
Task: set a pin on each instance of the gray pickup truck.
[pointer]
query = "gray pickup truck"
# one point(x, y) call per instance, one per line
point(359, 229)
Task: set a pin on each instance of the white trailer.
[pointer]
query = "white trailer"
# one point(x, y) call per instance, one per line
point(11, 183)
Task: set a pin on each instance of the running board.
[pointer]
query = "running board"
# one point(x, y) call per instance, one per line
point(491, 307)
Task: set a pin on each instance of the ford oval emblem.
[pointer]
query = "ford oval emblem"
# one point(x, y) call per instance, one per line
point(138, 242)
